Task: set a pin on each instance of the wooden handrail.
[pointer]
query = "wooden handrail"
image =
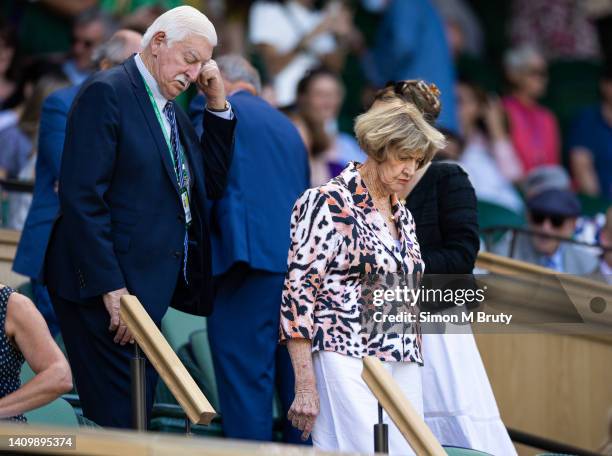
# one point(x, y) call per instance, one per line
point(503, 265)
point(519, 281)
point(104, 442)
point(165, 361)
point(410, 424)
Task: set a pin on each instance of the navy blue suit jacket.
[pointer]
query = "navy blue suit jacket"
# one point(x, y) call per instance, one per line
point(121, 221)
point(45, 203)
point(269, 172)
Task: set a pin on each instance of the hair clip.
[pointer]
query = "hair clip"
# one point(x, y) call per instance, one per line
point(434, 89)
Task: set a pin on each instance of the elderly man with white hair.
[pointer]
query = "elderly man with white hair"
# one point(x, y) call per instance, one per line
point(133, 186)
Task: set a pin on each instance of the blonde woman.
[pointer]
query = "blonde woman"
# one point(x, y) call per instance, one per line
point(351, 226)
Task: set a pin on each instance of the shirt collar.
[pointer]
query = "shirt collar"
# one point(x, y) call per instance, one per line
point(555, 261)
point(160, 100)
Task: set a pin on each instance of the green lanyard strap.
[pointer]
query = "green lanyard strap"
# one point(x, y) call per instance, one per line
point(161, 124)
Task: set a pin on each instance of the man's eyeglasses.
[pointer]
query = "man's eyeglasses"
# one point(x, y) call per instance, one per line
point(556, 221)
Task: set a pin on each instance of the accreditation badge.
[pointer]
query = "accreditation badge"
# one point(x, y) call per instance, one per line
point(186, 209)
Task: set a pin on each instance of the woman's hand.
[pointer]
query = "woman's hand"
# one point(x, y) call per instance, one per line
point(304, 410)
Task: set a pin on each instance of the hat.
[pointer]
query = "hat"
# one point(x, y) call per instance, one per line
point(545, 178)
point(555, 201)
point(548, 190)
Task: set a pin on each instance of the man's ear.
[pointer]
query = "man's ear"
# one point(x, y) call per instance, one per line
point(157, 41)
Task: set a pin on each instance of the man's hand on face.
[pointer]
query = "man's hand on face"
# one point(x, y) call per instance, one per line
point(112, 303)
point(210, 83)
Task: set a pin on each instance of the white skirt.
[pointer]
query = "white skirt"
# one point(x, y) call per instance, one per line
point(349, 410)
point(458, 401)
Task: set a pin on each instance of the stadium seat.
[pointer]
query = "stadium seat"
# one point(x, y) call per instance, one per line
point(177, 326)
point(26, 289)
point(56, 413)
point(458, 451)
point(201, 352)
point(490, 215)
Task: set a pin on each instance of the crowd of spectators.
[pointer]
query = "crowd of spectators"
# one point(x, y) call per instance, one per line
point(521, 90)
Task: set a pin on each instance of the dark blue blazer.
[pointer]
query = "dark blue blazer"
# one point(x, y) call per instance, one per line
point(45, 203)
point(121, 222)
point(269, 172)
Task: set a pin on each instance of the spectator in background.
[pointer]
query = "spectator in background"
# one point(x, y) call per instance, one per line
point(8, 57)
point(590, 144)
point(26, 135)
point(488, 155)
point(18, 139)
point(250, 240)
point(91, 28)
point(45, 204)
point(603, 271)
point(137, 15)
point(552, 210)
point(411, 43)
point(319, 97)
point(25, 337)
point(463, 29)
point(533, 128)
point(293, 37)
point(561, 28)
point(44, 26)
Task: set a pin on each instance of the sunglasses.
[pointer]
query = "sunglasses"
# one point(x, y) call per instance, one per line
point(556, 221)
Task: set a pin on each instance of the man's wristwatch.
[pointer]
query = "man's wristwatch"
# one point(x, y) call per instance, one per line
point(227, 106)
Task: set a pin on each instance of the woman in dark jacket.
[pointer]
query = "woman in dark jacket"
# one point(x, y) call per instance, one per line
point(459, 405)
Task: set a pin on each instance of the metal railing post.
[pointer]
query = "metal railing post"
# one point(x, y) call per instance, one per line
point(139, 389)
point(381, 434)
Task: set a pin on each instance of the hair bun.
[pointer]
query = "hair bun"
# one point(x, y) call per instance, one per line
point(426, 97)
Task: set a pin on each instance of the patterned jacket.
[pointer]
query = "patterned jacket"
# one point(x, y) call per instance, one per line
point(338, 239)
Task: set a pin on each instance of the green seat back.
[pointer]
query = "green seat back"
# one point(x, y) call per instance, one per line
point(203, 357)
point(490, 215)
point(177, 326)
point(457, 451)
point(592, 205)
point(26, 289)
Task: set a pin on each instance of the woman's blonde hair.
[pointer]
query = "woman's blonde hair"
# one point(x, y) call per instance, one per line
point(395, 123)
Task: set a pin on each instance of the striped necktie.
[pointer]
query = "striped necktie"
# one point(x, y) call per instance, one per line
point(182, 180)
point(174, 137)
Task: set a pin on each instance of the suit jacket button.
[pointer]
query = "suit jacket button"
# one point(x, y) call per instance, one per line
point(177, 254)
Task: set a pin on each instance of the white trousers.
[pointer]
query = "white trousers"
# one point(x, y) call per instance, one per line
point(458, 401)
point(349, 410)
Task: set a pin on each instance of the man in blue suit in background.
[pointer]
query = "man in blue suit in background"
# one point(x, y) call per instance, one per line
point(250, 240)
point(45, 204)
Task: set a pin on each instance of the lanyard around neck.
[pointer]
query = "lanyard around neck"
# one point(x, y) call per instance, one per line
point(161, 124)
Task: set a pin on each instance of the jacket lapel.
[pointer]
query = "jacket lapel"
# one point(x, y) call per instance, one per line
point(149, 114)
